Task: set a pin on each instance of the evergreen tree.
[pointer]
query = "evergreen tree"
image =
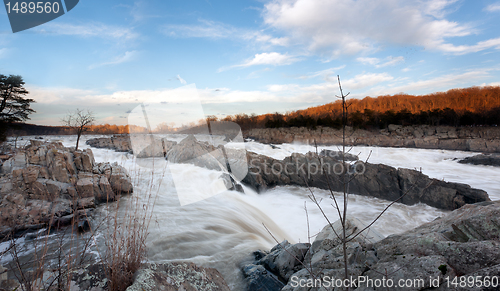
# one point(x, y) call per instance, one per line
point(14, 106)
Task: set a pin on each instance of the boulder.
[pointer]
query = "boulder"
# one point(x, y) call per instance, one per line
point(201, 154)
point(465, 242)
point(483, 159)
point(260, 279)
point(120, 180)
point(157, 148)
point(84, 160)
point(177, 276)
point(376, 180)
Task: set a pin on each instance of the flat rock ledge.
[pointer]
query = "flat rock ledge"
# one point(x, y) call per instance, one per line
point(46, 184)
point(464, 243)
point(474, 139)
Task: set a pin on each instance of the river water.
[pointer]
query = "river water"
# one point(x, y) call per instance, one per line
point(224, 229)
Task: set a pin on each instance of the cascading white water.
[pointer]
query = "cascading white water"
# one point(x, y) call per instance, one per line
point(223, 230)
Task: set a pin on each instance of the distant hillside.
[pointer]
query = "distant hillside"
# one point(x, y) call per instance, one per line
point(33, 129)
point(456, 107)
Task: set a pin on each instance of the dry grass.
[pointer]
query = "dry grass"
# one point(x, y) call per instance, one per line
point(125, 240)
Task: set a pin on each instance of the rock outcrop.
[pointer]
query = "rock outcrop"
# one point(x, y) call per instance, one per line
point(483, 159)
point(119, 143)
point(47, 183)
point(177, 276)
point(465, 242)
point(377, 180)
point(476, 139)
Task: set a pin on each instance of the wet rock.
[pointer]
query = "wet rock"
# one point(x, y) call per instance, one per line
point(483, 159)
point(463, 243)
point(376, 180)
point(260, 279)
point(177, 276)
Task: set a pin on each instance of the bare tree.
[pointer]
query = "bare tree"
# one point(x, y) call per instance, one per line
point(79, 120)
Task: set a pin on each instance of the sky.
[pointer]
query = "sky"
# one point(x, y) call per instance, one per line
point(226, 57)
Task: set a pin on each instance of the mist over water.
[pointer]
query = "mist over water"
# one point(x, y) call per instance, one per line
point(225, 229)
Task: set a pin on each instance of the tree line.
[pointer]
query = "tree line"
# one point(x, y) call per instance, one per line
point(474, 106)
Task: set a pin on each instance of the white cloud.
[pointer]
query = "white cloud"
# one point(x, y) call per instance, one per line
point(389, 61)
point(325, 74)
point(217, 30)
point(89, 30)
point(495, 7)
point(127, 57)
point(443, 82)
point(50, 95)
point(338, 27)
point(464, 49)
point(366, 80)
point(273, 58)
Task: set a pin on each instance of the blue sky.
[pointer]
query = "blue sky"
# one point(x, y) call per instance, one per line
point(249, 56)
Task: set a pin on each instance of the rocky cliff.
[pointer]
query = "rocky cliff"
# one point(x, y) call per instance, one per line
point(48, 184)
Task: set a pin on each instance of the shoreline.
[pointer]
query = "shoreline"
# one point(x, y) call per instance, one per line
point(473, 139)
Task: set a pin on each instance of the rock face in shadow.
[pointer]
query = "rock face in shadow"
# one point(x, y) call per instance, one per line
point(47, 183)
point(475, 139)
point(465, 242)
point(483, 159)
point(376, 180)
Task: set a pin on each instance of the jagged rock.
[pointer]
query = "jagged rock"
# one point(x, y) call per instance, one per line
point(105, 193)
point(465, 242)
point(484, 159)
point(260, 279)
point(177, 276)
point(200, 154)
point(376, 180)
point(84, 160)
point(120, 180)
point(18, 161)
point(285, 259)
point(157, 148)
point(90, 277)
point(85, 187)
point(47, 179)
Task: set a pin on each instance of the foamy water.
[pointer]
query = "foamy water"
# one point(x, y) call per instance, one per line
point(223, 230)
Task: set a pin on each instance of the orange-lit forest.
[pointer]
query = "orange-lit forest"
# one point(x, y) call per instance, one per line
point(456, 107)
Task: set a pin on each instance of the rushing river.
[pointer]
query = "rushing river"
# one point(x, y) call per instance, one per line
point(224, 229)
